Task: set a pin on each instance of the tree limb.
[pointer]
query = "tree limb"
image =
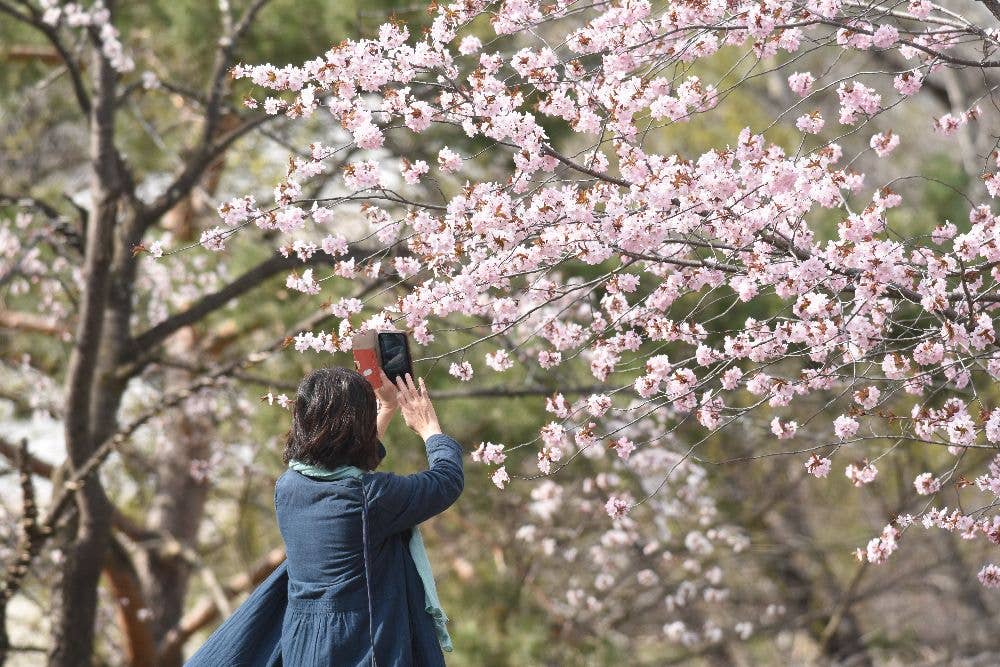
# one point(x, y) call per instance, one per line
point(273, 265)
point(50, 32)
point(223, 59)
point(191, 173)
point(140, 648)
point(44, 324)
point(28, 544)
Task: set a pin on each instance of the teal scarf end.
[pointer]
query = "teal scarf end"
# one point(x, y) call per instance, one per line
point(417, 551)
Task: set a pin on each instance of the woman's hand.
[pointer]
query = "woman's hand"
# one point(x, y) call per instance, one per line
point(418, 413)
point(388, 403)
point(387, 394)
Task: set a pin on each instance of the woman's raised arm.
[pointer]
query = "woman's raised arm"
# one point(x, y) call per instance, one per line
point(399, 502)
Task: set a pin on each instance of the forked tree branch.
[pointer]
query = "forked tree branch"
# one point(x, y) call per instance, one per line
point(276, 263)
point(193, 170)
point(34, 19)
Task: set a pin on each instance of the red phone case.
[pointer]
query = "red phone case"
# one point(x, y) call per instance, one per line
point(366, 363)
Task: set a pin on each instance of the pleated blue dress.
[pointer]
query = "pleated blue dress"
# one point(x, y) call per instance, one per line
point(313, 611)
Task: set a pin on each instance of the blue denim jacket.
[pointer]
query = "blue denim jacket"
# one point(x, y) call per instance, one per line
point(313, 610)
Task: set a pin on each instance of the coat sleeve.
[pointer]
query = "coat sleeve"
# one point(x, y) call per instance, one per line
point(399, 502)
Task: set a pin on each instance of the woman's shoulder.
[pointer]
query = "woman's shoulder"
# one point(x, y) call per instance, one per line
point(293, 483)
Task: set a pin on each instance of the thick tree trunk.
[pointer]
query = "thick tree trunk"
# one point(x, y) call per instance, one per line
point(75, 603)
point(93, 391)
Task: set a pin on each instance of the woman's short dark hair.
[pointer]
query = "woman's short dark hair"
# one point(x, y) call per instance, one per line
point(334, 420)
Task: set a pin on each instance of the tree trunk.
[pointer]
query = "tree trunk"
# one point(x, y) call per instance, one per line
point(94, 390)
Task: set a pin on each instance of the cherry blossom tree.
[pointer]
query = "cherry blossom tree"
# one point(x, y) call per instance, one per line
point(529, 178)
point(594, 247)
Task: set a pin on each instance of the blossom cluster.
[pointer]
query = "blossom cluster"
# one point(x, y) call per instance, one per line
point(738, 221)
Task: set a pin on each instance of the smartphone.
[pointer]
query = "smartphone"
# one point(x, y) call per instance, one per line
point(394, 355)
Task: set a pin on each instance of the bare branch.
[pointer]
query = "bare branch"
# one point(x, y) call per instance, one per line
point(33, 322)
point(211, 302)
point(23, 459)
point(223, 59)
point(57, 223)
point(140, 647)
point(193, 170)
point(74, 69)
point(28, 544)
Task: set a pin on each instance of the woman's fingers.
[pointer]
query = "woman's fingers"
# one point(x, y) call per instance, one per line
point(402, 392)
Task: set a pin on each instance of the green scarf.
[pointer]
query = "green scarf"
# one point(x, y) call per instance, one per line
point(431, 603)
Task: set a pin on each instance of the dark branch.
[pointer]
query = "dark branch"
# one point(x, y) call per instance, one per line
point(223, 60)
point(58, 223)
point(28, 544)
point(50, 32)
point(211, 302)
point(186, 180)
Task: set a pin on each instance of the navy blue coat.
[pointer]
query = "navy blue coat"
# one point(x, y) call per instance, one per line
point(313, 610)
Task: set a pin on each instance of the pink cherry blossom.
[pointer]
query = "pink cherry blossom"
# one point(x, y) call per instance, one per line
point(818, 466)
point(861, 474)
point(885, 36)
point(413, 171)
point(884, 142)
point(500, 477)
point(624, 447)
point(989, 576)
point(908, 83)
point(618, 505)
point(811, 123)
point(783, 430)
point(362, 175)
point(926, 484)
point(845, 427)
point(449, 160)
point(462, 371)
point(801, 82)
point(489, 452)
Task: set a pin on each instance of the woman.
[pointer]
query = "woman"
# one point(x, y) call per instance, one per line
point(339, 607)
point(325, 605)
